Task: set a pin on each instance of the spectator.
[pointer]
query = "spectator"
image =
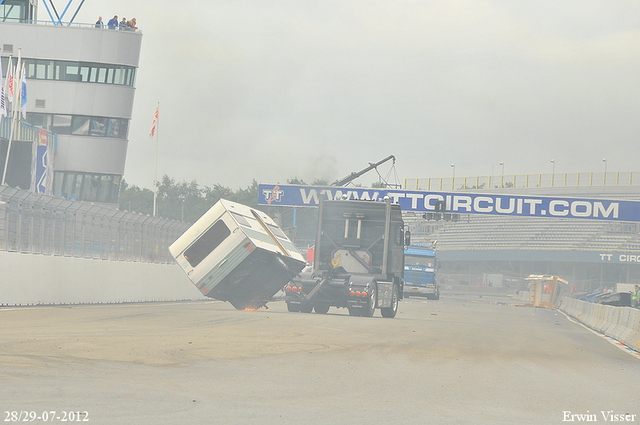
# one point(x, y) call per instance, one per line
point(635, 297)
point(99, 23)
point(113, 22)
point(132, 24)
point(124, 24)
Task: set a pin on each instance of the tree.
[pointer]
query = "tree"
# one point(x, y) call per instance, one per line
point(320, 182)
point(180, 201)
point(248, 196)
point(187, 201)
point(295, 180)
point(135, 199)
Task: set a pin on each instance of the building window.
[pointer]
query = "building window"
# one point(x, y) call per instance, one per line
point(89, 187)
point(85, 72)
point(99, 127)
point(16, 11)
point(39, 69)
point(80, 125)
point(60, 124)
point(102, 75)
point(70, 71)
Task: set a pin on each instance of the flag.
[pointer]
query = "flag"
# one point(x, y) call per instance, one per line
point(23, 94)
point(3, 106)
point(155, 122)
point(10, 80)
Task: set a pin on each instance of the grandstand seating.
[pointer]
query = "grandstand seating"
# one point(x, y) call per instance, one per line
point(508, 232)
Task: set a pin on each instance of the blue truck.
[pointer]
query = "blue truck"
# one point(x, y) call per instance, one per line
point(420, 271)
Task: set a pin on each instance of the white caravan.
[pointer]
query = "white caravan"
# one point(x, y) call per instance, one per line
point(238, 254)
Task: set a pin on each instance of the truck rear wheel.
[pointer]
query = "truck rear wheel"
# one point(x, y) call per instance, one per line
point(354, 311)
point(390, 312)
point(370, 308)
point(306, 308)
point(321, 308)
point(293, 308)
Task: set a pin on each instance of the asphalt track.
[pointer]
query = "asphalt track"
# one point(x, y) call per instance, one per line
point(459, 360)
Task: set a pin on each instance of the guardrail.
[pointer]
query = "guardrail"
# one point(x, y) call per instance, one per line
point(63, 24)
point(621, 323)
point(23, 132)
point(34, 223)
point(524, 181)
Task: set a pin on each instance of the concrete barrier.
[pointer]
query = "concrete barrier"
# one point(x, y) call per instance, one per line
point(27, 279)
point(621, 323)
point(521, 296)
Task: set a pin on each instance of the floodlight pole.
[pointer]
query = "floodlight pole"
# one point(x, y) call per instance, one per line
point(155, 177)
point(453, 177)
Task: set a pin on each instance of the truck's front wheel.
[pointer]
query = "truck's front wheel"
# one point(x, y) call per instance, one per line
point(390, 312)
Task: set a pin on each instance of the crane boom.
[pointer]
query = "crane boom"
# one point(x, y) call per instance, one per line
point(355, 175)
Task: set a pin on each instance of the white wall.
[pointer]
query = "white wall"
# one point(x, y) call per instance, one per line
point(27, 279)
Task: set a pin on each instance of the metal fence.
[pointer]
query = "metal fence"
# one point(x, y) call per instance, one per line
point(525, 181)
point(34, 223)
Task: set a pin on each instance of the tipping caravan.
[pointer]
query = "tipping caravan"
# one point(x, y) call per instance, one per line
point(238, 254)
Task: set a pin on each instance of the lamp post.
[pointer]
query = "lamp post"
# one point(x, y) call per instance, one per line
point(453, 177)
point(553, 172)
point(604, 176)
point(502, 175)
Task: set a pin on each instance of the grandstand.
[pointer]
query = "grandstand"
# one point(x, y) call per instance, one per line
point(518, 233)
point(588, 253)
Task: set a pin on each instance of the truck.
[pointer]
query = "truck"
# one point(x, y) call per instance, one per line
point(237, 254)
point(420, 264)
point(358, 260)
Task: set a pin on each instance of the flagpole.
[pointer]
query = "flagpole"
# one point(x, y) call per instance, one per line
point(155, 177)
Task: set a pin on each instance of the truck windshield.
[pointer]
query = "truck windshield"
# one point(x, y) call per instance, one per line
point(419, 261)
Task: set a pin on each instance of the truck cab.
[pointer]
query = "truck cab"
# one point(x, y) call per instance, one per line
point(420, 271)
point(359, 260)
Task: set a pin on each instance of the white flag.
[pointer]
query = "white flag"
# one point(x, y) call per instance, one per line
point(3, 106)
point(10, 83)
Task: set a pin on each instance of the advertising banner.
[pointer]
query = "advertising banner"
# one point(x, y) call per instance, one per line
point(457, 202)
point(44, 164)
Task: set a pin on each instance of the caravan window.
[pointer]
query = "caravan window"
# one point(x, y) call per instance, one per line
point(277, 231)
point(242, 220)
point(207, 243)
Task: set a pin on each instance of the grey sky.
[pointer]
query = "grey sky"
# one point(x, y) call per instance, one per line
point(296, 88)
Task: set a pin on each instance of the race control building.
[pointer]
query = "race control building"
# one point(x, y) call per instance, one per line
point(81, 86)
